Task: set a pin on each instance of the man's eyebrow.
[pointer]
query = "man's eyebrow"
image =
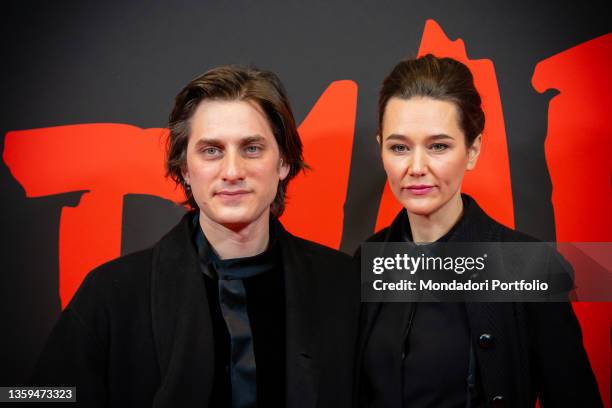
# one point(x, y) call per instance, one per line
point(208, 142)
point(253, 139)
point(219, 142)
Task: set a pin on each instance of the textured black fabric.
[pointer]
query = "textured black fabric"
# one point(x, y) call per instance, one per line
point(535, 349)
point(139, 331)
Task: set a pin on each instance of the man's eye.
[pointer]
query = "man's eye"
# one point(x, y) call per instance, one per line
point(252, 149)
point(211, 151)
point(399, 148)
point(438, 147)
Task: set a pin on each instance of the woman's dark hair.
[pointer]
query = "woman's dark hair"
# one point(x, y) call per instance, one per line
point(235, 83)
point(444, 79)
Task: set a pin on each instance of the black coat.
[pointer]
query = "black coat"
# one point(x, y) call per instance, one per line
point(529, 350)
point(138, 332)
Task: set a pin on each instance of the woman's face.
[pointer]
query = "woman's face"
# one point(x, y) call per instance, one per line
point(425, 155)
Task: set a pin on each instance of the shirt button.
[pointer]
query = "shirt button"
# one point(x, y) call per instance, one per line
point(498, 401)
point(485, 340)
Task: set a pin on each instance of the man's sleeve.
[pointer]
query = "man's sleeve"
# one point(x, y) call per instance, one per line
point(76, 351)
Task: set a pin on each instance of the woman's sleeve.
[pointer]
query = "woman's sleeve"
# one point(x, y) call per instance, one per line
point(563, 374)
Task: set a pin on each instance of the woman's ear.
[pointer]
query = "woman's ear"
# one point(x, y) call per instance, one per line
point(379, 139)
point(474, 152)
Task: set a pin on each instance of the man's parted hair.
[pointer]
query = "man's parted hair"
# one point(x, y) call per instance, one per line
point(235, 83)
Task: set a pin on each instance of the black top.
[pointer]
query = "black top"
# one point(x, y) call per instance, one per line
point(521, 351)
point(246, 299)
point(418, 353)
point(139, 330)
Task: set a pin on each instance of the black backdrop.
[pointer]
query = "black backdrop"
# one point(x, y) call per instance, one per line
point(123, 62)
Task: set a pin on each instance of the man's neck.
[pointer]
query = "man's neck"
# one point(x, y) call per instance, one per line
point(426, 229)
point(237, 241)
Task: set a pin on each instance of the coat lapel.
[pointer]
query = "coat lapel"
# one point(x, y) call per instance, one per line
point(182, 328)
point(370, 310)
point(302, 317)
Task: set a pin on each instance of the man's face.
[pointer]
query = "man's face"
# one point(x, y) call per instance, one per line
point(233, 163)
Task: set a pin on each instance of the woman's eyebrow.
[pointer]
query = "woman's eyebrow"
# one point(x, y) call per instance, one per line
point(396, 136)
point(440, 136)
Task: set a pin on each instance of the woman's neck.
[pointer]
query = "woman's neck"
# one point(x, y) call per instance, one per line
point(231, 242)
point(432, 227)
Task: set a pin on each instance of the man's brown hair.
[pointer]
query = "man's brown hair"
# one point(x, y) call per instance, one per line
point(235, 83)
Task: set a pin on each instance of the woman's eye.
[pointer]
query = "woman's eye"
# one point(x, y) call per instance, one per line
point(399, 148)
point(438, 147)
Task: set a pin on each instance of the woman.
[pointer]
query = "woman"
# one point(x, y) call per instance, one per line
point(456, 354)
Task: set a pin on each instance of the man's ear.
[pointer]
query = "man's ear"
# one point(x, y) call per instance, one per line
point(474, 152)
point(283, 169)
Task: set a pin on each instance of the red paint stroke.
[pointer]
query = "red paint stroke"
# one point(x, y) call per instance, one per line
point(490, 182)
point(315, 208)
point(107, 161)
point(578, 148)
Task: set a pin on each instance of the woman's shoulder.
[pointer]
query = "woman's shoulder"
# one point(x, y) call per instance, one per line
point(483, 228)
point(380, 236)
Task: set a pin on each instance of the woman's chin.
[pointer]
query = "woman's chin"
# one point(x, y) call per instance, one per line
point(420, 207)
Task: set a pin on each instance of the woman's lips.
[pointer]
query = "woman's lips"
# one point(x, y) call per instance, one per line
point(420, 189)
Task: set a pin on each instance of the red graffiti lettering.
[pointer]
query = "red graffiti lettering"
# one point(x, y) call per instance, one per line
point(106, 161)
point(315, 208)
point(578, 149)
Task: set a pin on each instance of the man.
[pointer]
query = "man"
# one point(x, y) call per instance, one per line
point(228, 309)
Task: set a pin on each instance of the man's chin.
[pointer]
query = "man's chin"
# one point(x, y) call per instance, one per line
point(236, 219)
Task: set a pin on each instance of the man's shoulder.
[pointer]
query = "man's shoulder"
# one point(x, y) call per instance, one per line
point(133, 263)
point(127, 271)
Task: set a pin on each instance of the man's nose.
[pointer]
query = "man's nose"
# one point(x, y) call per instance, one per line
point(233, 167)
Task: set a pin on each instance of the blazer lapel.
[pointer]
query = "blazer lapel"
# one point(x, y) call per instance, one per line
point(182, 327)
point(303, 335)
point(370, 310)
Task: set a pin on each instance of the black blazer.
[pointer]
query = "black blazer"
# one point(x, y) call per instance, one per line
point(138, 332)
point(528, 350)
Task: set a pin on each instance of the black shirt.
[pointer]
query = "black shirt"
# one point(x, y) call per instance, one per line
point(418, 354)
point(255, 351)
